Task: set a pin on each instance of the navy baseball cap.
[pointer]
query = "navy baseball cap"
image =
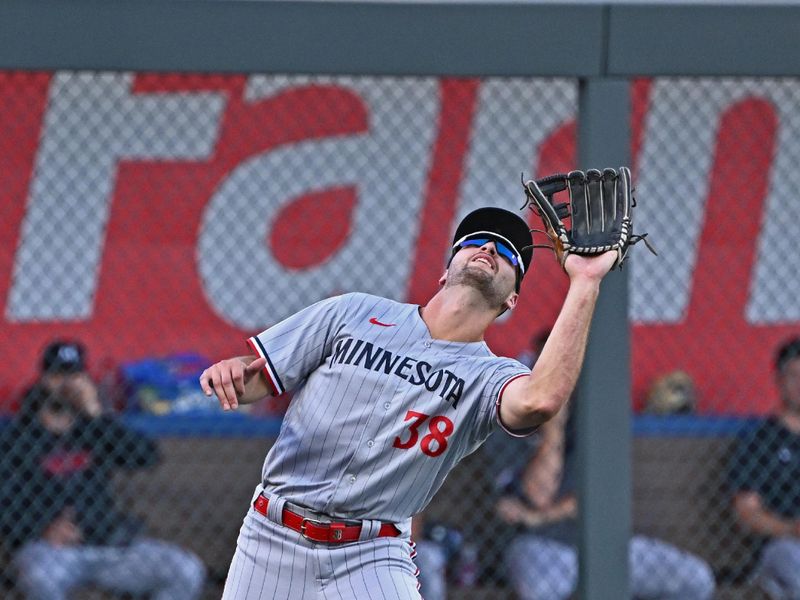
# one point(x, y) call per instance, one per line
point(503, 224)
point(64, 357)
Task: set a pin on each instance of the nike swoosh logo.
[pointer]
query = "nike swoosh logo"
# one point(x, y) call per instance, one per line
point(375, 321)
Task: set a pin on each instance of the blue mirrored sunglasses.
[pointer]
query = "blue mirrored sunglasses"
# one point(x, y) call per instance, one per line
point(501, 248)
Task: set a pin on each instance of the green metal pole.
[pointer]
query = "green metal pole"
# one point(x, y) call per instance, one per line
point(603, 414)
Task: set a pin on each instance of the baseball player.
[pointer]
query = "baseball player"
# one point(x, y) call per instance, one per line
point(388, 398)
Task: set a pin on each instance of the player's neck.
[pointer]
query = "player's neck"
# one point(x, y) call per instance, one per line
point(456, 315)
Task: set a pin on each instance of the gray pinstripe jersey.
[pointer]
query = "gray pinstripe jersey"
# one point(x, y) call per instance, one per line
point(381, 411)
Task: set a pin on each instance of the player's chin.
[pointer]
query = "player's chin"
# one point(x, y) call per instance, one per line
point(490, 286)
point(473, 276)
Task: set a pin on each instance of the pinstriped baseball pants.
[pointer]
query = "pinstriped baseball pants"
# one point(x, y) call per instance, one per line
point(273, 562)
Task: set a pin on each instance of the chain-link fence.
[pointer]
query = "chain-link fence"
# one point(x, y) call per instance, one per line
point(161, 219)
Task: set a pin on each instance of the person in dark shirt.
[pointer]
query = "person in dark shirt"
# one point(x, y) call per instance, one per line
point(764, 474)
point(542, 558)
point(59, 517)
point(536, 498)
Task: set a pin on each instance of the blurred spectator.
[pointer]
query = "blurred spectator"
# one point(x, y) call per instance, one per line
point(672, 394)
point(59, 517)
point(765, 479)
point(542, 560)
point(431, 560)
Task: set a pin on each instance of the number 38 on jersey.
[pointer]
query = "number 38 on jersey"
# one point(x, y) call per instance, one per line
point(433, 441)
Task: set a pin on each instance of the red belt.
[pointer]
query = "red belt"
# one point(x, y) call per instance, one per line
point(322, 531)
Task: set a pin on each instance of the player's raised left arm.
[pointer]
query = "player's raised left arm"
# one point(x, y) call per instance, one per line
point(530, 401)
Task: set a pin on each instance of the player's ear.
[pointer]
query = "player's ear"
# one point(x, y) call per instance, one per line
point(443, 278)
point(511, 301)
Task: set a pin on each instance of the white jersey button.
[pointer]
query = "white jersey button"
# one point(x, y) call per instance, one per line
point(370, 443)
point(352, 478)
point(386, 405)
point(427, 344)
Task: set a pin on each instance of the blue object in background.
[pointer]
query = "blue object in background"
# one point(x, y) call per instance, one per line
point(167, 385)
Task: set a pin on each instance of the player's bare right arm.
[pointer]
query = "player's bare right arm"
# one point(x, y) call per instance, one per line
point(236, 381)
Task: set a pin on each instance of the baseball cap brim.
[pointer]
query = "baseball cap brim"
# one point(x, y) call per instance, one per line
point(503, 223)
